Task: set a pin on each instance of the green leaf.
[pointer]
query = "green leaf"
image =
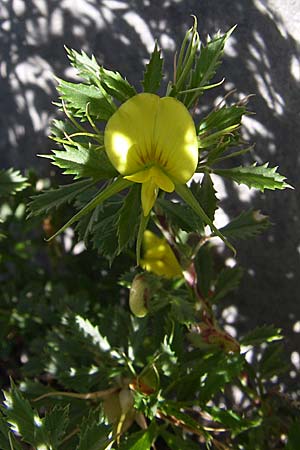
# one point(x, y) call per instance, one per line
point(54, 198)
point(205, 194)
point(112, 82)
point(174, 410)
point(115, 85)
point(104, 231)
point(246, 225)
point(208, 376)
point(94, 436)
point(11, 181)
point(184, 192)
point(83, 162)
point(175, 442)
point(78, 95)
point(102, 195)
point(273, 361)
point(92, 333)
point(153, 74)
point(258, 177)
point(221, 119)
point(218, 124)
point(23, 419)
point(87, 67)
point(206, 65)
point(294, 437)
point(228, 280)
point(141, 440)
point(205, 269)
point(55, 423)
point(181, 216)
point(260, 335)
point(231, 420)
point(6, 437)
point(129, 218)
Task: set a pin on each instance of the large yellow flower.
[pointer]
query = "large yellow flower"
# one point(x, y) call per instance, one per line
point(159, 257)
point(152, 140)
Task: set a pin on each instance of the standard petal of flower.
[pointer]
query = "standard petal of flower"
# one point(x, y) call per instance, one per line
point(176, 140)
point(129, 133)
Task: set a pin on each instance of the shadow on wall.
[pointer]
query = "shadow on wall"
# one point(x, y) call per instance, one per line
point(261, 58)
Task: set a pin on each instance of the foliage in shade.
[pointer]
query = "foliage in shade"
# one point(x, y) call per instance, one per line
point(11, 181)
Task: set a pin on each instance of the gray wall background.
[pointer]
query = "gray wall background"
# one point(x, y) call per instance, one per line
point(262, 58)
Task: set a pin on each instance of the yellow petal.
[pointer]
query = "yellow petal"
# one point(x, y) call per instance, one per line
point(159, 257)
point(129, 132)
point(148, 195)
point(176, 140)
point(161, 179)
point(149, 130)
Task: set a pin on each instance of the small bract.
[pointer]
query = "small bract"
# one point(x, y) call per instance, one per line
point(153, 141)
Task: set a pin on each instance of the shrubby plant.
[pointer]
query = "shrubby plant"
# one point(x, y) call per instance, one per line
point(121, 346)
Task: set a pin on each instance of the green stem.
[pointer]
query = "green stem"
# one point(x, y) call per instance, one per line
point(184, 192)
point(143, 225)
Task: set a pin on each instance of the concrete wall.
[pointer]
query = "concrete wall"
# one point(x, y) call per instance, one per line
point(262, 58)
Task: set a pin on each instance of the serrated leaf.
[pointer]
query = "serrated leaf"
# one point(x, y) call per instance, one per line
point(78, 95)
point(83, 162)
point(273, 361)
point(258, 177)
point(87, 67)
point(104, 194)
point(153, 74)
point(246, 225)
point(182, 311)
point(141, 440)
point(104, 232)
point(54, 198)
point(11, 181)
point(112, 82)
point(55, 423)
point(173, 410)
point(5, 435)
point(209, 376)
point(233, 421)
point(266, 333)
point(221, 119)
point(228, 280)
point(115, 85)
point(224, 371)
point(94, 436)
point(181, 216)
point(206, 195)
point(175, 442)
point(205, 269)
point(186, 194)
point(23, 419)
point(206, 65)
point(218, 124)
point(129, 218)
point(92, 332)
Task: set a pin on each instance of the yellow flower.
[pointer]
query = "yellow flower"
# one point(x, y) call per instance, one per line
point(152, 140)
point(159, 257)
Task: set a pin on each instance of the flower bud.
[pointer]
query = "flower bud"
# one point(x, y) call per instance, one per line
point(112, 408)
point(139, 295)
point(126, 400)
